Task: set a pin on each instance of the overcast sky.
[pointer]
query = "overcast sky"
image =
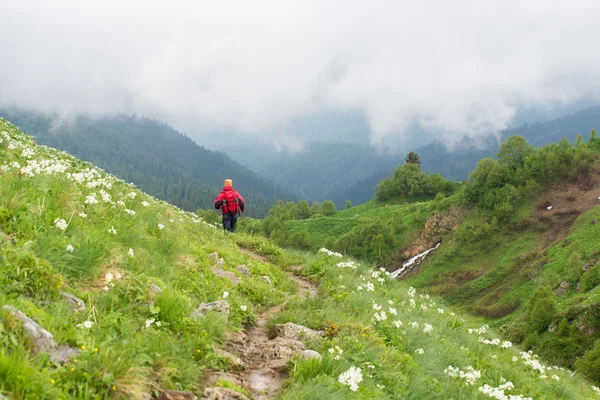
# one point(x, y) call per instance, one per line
point(253, 66)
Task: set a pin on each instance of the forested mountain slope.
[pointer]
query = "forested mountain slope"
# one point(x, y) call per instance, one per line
point(517, 243)
point(154, 156)
point(108, 293)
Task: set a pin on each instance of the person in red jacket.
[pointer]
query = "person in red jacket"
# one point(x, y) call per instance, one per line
point(231, 203)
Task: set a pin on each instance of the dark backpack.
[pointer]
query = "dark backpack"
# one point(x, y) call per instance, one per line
point(231, 204)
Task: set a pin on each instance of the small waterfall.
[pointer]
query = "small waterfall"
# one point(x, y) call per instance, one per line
point(410, 264)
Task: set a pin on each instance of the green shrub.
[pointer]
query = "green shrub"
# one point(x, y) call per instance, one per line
point(589, 364)
point(542, 309)
point(590, 278)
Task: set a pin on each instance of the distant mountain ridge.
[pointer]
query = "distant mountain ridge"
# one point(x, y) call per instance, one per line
point(154, 156)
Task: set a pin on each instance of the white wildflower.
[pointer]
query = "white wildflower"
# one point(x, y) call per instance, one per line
point(397, 323)
point(376, 307)
point(108, 277)
point(420, 351)
point(149, 322)
point(243, 308)
point(118, 275)
point(86, 325)
point(112, 230)
point(91, 199)
point(82, 215)
point(393, 311)
point(414, 325)
point(225, 295)
point(379, 316)
point(427, 328)
point(441, 310)
point(131, 195)
point(370, 287)
point(158, 323)
point(506, 344)
point(161, 227)
point(105, 196)
point(145, 203)
point(61, 224)
point(121, 203)
point(352, 377)
point(329, 252)
point(130, 212)
point(70, 248)
point(131, 253)
point(555, 377)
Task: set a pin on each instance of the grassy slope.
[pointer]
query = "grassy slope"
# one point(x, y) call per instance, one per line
point(122, 358)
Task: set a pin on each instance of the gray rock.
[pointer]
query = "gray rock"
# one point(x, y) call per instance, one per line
point(279, 364)
point(310, 354)
point(214, 377)
point(290, 330)
point(585, 328)
point(154, 289)
point(220, 262)
point(41, 340)
point(587, 266)
point(267, 280)
point(220, 307)
point(552, 327)
point(219, 393)
point(295, 268)
point(244, 270)
point(231, 359)
point(74, 302)
point(226, 274)
point(236, 337)
point(213, 256)
point(562, 288)
point(62, 353)
point(177, 395)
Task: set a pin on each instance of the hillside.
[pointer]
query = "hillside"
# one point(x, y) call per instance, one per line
point(120, 281)
point(521, 231)
point(157, 158)
point(322, 170)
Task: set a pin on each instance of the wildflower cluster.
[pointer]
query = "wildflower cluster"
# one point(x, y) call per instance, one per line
point(352, 377)
point(470, 375)
point(337, 351)
point(479, 331)
point(108, 279)
point(151, 321)
point(499, 392)
point(86, 325)
point(329, 252)
point(347, 264)
point(61, 224)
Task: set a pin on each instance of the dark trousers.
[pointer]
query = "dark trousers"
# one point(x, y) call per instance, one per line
point(229, 222)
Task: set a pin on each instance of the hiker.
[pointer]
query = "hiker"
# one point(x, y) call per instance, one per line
point(231, 203)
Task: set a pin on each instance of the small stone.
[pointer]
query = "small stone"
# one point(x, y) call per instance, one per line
point(279, 365)
point(213, 256)
point(220, 393)
point(295, 268)
point(293, 331)
point(154, 289)
point(587, 266)
point(232, 359)
point(41, 340)
point(221, 262)
point(549, 208)
point(236, 337)
point(74, 302)
point(585, 328)
point(552, 327)
point(244, 270)
point(220, 307)
point(594, 222)
point(177, 395)
point(310, 354)
point(62, 353)
point(267, 280)
point(562, 288)
point(227, 275)
point(214, 377)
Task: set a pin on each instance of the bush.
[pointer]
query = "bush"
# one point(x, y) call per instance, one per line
point(301, 240)
point(542, 309)
point(589, 364)
point(328, 207)
point(591, 278)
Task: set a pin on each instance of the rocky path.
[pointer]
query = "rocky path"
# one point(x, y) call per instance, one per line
point(265, 360)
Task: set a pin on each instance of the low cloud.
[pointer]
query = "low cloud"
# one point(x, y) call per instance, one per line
point(455, 68)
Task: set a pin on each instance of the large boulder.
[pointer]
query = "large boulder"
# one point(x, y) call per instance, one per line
point(220, 307)
point(290, 330)
point(74, 302)
point(41, 340)
point(220, 393)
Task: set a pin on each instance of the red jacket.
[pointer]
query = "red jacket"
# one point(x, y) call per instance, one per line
point(226, 198)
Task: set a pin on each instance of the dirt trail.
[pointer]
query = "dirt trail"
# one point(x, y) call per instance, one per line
point(266, 359)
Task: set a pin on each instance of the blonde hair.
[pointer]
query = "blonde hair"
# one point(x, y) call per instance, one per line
point(228, 182)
